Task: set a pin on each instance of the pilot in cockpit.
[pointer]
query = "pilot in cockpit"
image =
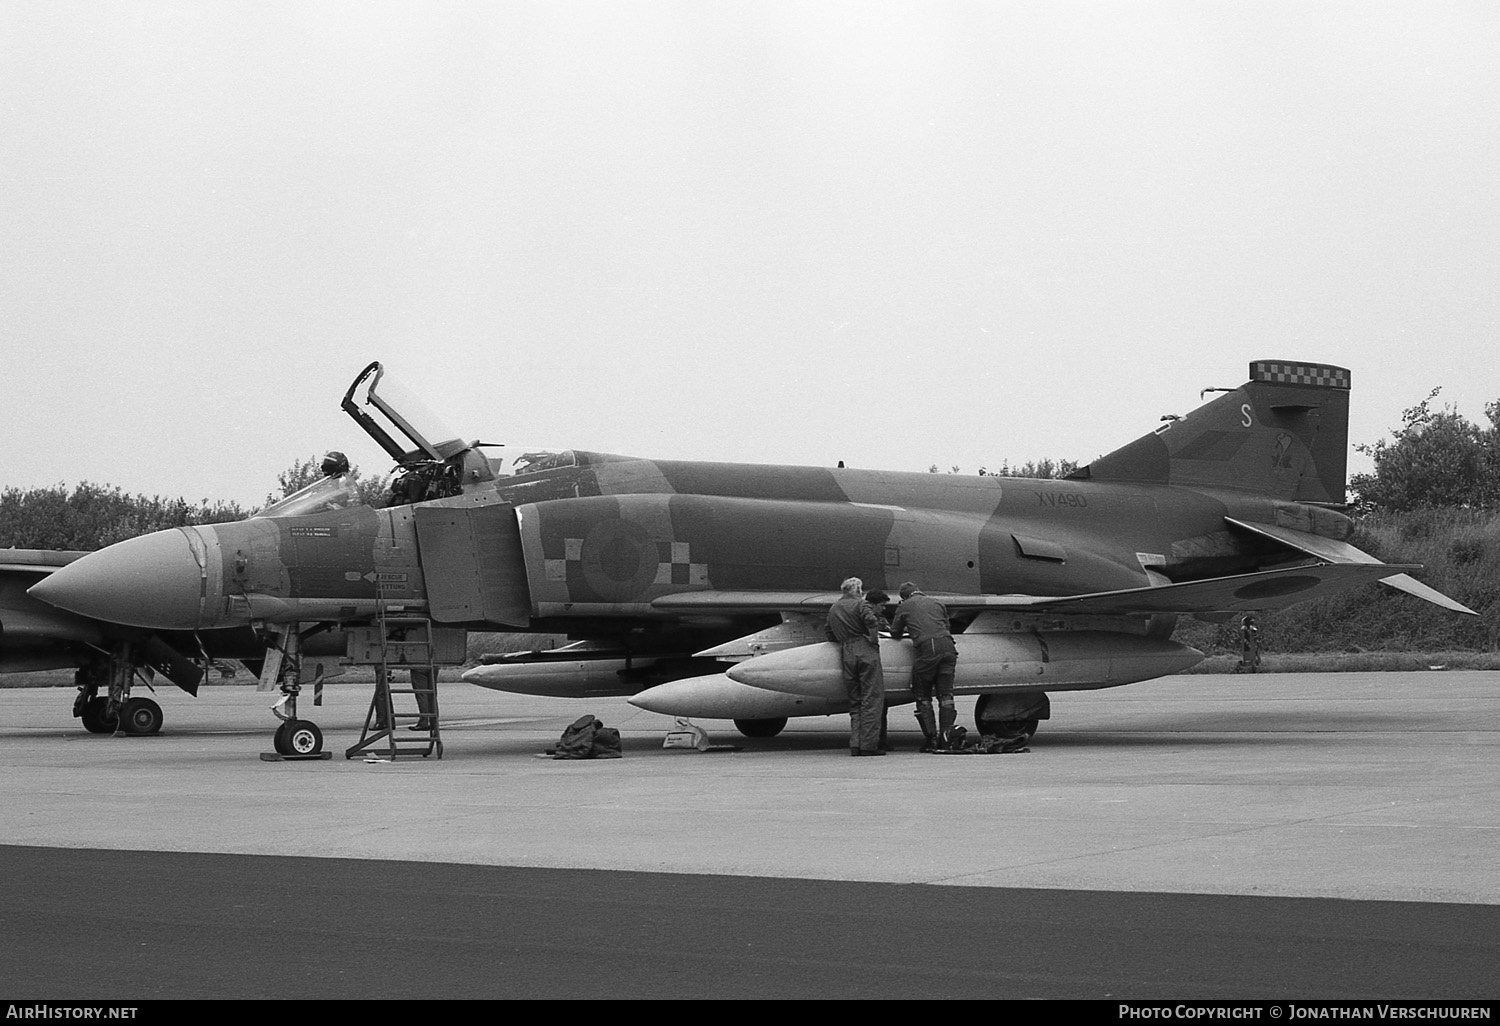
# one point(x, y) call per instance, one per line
point(335, 463)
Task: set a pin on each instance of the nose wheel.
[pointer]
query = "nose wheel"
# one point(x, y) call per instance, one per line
point(298, 737)
point(295, 738)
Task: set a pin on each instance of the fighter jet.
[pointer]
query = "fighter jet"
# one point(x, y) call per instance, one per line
point(699, 589)
point(107, 656)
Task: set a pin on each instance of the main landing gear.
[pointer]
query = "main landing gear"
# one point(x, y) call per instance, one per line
point(94, 712)
point(140, 716)
point(1011, 715)
point(761, 728)
point(115, 711)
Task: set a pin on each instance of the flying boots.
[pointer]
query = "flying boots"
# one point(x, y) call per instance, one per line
point(952, 737)
point(923, 712)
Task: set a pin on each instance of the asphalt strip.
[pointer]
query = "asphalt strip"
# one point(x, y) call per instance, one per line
point(140, 925)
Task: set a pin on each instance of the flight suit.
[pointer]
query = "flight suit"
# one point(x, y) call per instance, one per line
point(853, 623)
point(934, 659)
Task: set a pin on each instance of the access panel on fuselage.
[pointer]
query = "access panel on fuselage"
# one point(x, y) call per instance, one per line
point(472, 564)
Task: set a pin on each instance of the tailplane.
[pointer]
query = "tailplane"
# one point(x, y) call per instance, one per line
point(1284, 434)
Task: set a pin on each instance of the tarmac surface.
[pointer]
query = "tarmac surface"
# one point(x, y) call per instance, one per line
point(1268, 836)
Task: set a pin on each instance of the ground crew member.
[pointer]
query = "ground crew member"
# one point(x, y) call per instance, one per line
point(856, 627)
point(1249, 646)
point(878, 600)
point(424, 690)
point(935, 656)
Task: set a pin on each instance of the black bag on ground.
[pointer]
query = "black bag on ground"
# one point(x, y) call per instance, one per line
point(577, 742)
point(588, 738)
point(607, 743)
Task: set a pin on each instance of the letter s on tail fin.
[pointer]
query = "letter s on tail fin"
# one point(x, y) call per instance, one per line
point(1284, 434)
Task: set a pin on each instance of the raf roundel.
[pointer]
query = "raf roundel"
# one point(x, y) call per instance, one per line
point(619, 560)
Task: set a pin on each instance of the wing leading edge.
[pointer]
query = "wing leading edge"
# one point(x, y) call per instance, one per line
point(1269, 589)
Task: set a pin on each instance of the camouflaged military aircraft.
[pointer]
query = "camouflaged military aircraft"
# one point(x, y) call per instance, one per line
point(109, 657)
point(38, 636)
point(699, 589)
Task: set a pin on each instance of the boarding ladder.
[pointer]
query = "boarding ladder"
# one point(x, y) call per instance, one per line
point(408, 727)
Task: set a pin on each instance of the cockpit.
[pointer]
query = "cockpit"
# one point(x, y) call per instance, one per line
point(394, 412)
point(432, 461)
point(536, 462)
point(333, 492)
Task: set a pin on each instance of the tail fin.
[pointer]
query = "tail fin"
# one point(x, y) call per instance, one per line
point(1284, 434)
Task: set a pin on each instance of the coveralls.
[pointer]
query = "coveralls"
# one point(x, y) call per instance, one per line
point(853, 623)
point(1249, 647)
point(935, 657)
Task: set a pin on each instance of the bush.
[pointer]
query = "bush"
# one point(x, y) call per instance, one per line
point(1460, 554)
point(92, 516)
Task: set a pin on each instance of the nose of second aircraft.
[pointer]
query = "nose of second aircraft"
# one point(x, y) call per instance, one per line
point(156, 580)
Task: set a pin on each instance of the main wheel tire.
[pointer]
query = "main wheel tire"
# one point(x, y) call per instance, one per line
point(1001, 726)
point(761, 728)
point(140, 716)
point(93, 717)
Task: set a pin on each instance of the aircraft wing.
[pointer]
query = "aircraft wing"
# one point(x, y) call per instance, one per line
point(37, 636)
point(1332, 551)
point(1267, 589)
point(36, 561)
point(747, 601)
point(34, 635)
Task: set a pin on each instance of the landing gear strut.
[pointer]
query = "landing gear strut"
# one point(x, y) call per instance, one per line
point(295, 738)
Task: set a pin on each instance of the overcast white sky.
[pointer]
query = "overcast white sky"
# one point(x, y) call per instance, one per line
point(792, 232)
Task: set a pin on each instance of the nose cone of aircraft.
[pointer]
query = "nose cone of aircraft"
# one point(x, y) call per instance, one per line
point(150, 581)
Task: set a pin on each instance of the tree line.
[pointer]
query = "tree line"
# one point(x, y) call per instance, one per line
point(1436, 459)
point(90, 516)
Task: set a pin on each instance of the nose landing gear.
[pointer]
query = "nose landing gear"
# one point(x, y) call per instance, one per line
point(296, 738)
